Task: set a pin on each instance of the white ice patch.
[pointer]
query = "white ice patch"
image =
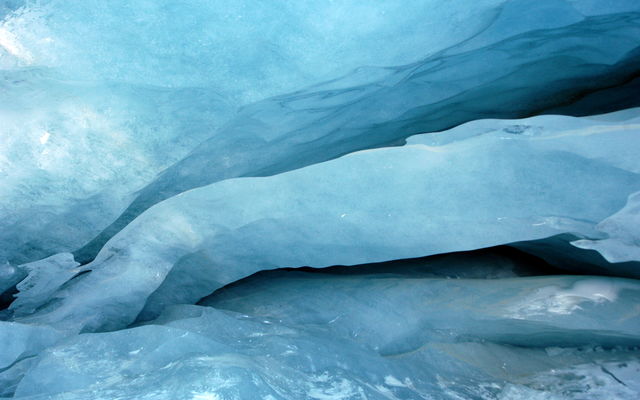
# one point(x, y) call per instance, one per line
point(326, 388)
point(623, 231)
point(558, 301)
point(565, 224)
point(205, 396)
point(393, 381)
point(45, 137)
point(612, 380)
point(9, 42)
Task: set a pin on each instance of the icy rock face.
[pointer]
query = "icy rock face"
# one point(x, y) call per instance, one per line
point(535, 174)
point(293, 335)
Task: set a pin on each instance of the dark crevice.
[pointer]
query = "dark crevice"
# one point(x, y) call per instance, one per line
point(17, 361)
point(544, 257)
point(608, 99)
point(606, 371)
point(7, 298)
point(525, 264)
point(558, 251)
point(509, 262)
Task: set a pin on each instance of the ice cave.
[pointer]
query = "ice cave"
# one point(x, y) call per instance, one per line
point(320, 199)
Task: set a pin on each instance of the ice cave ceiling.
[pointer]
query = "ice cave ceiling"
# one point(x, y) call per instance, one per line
point(347, 199)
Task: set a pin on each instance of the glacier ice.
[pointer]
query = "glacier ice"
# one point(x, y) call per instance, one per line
point(542, 67)
point(287, 199)
point(90, 88)
point(294, 334)
point(534, 172)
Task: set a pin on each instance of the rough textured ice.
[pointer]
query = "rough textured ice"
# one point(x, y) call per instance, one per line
point(43, 278)
point(63, 174)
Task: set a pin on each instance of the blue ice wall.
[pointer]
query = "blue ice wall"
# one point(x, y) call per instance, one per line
point(459, 179)
point(158, 78)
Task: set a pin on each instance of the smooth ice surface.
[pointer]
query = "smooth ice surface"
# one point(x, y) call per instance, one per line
point(482, 184)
